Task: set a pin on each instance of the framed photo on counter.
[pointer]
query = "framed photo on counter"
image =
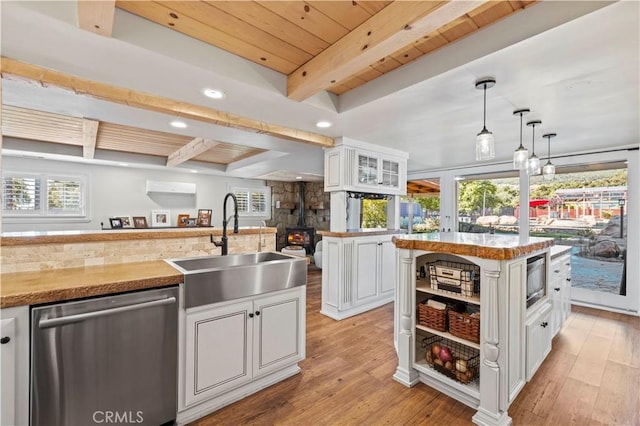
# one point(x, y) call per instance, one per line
point(182, 220)
point(204, 217)
point(115, 222)
point(140, 221)
point(127, 222)
point(160, 218)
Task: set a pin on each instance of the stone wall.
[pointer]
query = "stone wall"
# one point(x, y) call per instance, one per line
point(285, 194)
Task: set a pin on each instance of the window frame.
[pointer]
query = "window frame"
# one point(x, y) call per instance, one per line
point(249, 191)
point(44, 212)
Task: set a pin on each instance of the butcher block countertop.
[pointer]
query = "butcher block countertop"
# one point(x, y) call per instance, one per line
point(30, 288)
point(68, 237)
point(485, 246)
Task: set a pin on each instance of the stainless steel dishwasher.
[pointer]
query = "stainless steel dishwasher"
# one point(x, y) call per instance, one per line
point(106, 360)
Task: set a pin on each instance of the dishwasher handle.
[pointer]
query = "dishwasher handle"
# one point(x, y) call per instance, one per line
point(55, 322)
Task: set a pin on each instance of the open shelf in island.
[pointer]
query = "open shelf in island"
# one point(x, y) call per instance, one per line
point(427, 289)
point(449, 336)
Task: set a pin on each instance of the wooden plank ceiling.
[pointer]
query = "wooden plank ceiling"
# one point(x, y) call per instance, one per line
point(42, 126)
point(288, 36)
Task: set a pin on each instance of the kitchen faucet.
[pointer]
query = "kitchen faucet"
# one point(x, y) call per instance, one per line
point(262, 224)
point(225, 220)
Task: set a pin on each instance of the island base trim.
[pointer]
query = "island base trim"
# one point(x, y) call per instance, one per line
point(485, 418)
point(204, 408)
point(339, 315)
point(409, 378)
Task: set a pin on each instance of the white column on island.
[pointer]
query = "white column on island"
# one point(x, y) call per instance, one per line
point(405, 374)
point(490, 411)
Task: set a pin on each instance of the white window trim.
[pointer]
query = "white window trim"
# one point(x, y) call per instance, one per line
point(265, 190)
point(44, 215)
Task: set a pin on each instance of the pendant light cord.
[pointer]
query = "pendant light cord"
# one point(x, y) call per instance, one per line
point(548, 149)
point(484, 113)
point(533, 140)
point(521, 147)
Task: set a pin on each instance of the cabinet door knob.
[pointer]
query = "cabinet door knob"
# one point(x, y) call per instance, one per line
point(556, 288)
point(568, 279)
point(544, 324)
point(5, 339)
point(250, 314)
point(257, 313)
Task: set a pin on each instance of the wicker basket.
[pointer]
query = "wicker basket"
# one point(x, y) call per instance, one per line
point(470, 357)
point(432, 317)
point(464, 326)
point(454, 277)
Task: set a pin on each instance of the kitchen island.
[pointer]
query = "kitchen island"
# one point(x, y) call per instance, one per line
point(483, 348)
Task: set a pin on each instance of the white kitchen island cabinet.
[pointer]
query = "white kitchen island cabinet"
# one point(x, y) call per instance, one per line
point(494, 361)
point(233, 349)
point(14, 358)
point(358, 271)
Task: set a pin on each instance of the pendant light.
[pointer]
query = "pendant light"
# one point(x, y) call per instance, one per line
point(521, 155)
point(533, 167)
point(484, 140)
point(549, 170)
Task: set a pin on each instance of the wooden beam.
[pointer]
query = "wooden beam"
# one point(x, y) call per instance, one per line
point(192, 149)
point(394, 27)
point(89, 137)
point(97, 16)
point(46, 77)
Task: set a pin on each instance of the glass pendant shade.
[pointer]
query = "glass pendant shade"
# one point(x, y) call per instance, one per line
point(520, 158)
point(533, 166)
point(548, 171)
point(485, 149)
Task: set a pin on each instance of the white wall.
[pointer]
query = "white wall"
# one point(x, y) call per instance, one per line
point(121, 191)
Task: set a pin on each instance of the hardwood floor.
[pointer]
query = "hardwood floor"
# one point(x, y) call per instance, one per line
point(591, 377)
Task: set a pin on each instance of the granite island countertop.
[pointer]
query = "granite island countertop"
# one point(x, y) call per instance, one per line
point(362, 232)
point(486, 246)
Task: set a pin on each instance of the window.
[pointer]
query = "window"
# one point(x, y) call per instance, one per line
point(253, 201)
point(38, 195)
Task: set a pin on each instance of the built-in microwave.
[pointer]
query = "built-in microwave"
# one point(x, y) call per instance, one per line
point(536, 278)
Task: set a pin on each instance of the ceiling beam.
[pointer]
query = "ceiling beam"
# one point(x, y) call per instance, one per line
point(97, 16)
point(47, 77)
point(89, 137)
point(394, 27)
point(192, 149)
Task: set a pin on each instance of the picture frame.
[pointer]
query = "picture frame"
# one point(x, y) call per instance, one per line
point(127, 221)
point(115, 222)
point(140, 222)
point(204, 217)
point(160, 218)
point(182, 220)
point(191, 222)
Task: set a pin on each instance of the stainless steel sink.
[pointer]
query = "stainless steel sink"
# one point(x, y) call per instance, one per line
point(212, 279)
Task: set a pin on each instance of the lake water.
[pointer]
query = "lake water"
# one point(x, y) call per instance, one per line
point(593, 274)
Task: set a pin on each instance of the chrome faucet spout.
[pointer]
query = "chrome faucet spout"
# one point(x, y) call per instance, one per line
point(260, 242)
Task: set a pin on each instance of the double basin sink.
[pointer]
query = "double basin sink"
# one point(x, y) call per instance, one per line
point(212, 279)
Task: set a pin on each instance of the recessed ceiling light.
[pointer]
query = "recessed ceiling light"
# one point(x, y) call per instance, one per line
point(193, 171)
point(178, 124)
point(214, 94)
point(323, 124)
point(459, 178)
point(124, 164)
point(298, 177)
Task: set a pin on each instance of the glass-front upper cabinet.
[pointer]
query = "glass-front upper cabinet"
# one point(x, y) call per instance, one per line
point(367, 170)
point(390, 173)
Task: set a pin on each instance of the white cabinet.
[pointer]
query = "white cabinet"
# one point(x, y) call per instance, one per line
point(355, 169)
point(560, 291)
point(14, 368)
point(358, 274)
point(538, 335)
point(229, 345)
